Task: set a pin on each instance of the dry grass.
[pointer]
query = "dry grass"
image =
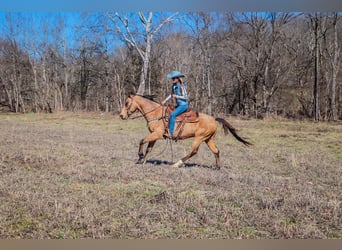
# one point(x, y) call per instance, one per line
point(74, 176)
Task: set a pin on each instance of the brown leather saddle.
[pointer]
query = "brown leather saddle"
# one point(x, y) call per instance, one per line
point(188, 116)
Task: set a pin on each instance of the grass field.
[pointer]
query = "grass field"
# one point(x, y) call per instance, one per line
point(74, 176)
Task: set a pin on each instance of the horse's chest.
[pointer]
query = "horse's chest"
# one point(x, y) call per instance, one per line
point(153, 126)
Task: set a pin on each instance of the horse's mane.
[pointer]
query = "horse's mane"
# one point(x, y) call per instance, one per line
point(149, 97)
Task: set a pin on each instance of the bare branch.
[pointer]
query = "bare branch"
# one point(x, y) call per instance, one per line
point(129, 38)
point(169, 19)
point(142, 18)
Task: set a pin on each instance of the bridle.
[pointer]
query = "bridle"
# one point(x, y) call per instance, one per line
point(129, 112)
point(143, 114)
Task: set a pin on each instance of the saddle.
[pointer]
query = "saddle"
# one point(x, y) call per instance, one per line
point(189, 116)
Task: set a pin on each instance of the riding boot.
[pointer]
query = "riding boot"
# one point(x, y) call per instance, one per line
point(166, 133)
point(175, 138)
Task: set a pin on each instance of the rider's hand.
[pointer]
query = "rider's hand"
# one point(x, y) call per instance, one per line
point(163, 102)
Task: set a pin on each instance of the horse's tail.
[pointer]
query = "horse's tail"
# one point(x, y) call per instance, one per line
point(226, 126)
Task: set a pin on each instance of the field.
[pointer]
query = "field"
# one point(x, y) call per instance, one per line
point(74, 176)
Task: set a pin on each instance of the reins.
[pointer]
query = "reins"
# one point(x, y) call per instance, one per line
point(167, 142)
point(154, 119)
point(144, 114)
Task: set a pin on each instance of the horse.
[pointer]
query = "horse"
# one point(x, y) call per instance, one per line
point(202, 130)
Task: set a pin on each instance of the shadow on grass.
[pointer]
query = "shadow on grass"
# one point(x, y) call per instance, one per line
point(185, 165)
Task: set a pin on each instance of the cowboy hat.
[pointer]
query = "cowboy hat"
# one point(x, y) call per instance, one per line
point(175, 74)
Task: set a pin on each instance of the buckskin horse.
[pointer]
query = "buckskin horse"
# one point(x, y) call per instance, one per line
point(200, 126)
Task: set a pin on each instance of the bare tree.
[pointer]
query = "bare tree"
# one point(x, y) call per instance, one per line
point(200, 24)
point(15, 60)
point(335, 62)
point(123, 27)
point(275, 66)
point(316, 20)
point(247, 64)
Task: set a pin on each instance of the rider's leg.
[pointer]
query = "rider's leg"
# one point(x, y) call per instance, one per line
point(179, 110)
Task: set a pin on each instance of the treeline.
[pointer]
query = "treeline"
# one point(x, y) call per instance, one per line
point(249, 64)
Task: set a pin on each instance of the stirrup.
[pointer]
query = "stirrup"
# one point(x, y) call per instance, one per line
point(166, 134)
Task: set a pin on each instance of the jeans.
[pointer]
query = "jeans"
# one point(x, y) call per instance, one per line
point(178, 110)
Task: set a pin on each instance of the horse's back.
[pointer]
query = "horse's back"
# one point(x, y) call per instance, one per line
point(205, 127)
point(207, 119)
point(207, 123)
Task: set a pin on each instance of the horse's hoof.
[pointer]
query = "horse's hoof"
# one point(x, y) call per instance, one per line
point(141, 162)
point(177, 164)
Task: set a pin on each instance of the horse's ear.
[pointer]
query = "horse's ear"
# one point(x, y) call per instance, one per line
point(131, 89)
point(131, 95)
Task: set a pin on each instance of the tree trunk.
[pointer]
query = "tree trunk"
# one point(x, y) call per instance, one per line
point(146, 55)
point(66, 77)
point(335, 64)
point(143, 74)
point(316, 111)
point(9, 98)
point(209, 83)
point(128, 36)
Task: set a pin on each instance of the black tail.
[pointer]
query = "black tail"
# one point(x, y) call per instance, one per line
point(226, 126)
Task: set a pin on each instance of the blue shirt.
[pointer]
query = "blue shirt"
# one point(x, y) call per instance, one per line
point(182, 96)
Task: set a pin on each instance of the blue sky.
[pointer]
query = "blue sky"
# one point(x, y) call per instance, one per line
point(171, 5)
point(33, 23)
point(39, 27)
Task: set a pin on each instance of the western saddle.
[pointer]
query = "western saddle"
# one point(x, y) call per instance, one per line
point(189, 116)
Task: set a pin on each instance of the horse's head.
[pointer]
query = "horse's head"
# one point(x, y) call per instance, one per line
point(129, 108)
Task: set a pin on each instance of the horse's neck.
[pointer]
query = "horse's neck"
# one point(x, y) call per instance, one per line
point(149, 108)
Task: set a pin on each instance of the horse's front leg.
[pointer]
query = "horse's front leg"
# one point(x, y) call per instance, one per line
point(151, 140)
point(140, 152)
point(148, 150)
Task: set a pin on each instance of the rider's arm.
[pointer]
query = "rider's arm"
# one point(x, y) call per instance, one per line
point(166, 99)
point(184, 95)
point(181, 97)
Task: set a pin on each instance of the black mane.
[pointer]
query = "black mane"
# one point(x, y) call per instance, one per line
point(150, 97)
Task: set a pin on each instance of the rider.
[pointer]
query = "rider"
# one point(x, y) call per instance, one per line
point(182, 101)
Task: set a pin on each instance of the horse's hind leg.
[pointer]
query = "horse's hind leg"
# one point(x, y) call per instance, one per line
point(194, 149)
point(212, 146)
